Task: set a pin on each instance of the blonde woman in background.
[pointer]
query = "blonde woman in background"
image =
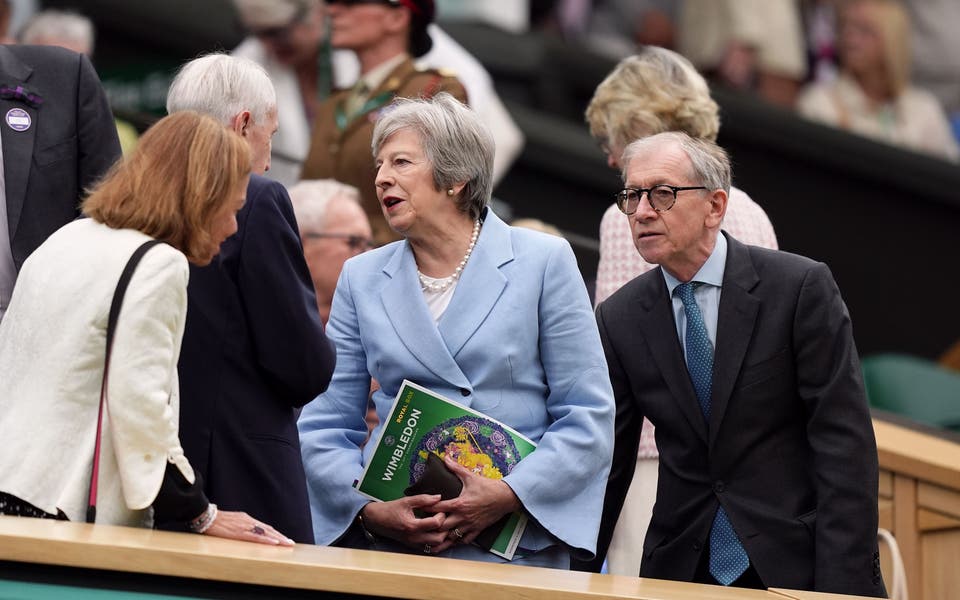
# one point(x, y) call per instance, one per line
point(873, 96)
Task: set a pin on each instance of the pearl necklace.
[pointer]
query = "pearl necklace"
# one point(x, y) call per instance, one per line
point(439, 285)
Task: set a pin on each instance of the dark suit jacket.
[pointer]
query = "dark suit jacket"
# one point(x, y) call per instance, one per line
point(70, 144)
point(254, 352)
point(789, 451)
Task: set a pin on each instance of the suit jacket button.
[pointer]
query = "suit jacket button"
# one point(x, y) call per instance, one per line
point(718, 487)
point(464, 392)
point(697, 546)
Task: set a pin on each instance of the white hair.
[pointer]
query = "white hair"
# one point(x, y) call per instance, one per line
point(222, 86)
point(311, 199)
point(59, 27)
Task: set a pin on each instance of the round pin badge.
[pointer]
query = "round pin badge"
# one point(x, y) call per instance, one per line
point(18, 119)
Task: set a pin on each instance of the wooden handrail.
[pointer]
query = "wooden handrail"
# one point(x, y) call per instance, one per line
point(328, 569)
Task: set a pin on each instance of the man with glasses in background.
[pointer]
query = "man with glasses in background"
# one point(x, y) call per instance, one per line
point(333, 228)
point(744, 360)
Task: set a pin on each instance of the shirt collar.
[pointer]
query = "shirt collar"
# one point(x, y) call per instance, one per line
point(375, 78)
point(710, 273)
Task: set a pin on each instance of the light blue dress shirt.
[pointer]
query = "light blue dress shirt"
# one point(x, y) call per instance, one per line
point(707, 296)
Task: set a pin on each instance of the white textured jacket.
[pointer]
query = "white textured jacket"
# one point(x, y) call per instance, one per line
point(52, 344)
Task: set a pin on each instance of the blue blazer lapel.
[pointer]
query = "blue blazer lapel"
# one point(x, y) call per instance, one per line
point(17, 145)
point(480, 285)
point(404, 305)
point(736, 320)
point(660, 332)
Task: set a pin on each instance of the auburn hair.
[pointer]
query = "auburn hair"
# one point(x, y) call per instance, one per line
point(184, 169)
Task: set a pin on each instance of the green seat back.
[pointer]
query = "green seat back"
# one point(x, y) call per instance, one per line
point(913, 387)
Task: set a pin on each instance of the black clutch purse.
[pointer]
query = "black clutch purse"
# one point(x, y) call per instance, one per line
point(438, 479)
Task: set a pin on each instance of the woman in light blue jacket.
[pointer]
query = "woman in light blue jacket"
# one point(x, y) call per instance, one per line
point(493, 316)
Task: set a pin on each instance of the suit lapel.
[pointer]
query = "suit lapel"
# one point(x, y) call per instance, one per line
point(403, 303)
point(17, 145)
point(480, 286)
point(660, 332)
point(736, 319)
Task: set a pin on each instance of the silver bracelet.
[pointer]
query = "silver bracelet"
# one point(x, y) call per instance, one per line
point(202, 523)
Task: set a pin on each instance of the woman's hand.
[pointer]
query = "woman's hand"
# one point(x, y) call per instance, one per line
point(397, 521)
point(241, 526)
point(481, 503)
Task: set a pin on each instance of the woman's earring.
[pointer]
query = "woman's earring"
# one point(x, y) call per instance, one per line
point(449, 191)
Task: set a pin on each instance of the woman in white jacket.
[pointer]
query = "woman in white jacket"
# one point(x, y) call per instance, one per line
point(182, 186)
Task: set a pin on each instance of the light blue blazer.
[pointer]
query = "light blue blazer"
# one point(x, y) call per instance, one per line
point(518, 342)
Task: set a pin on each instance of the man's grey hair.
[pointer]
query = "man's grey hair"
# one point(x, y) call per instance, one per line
point(59, 26)
point(711, 165)
point(311, 199)
point(222, 86)
point(455, 140)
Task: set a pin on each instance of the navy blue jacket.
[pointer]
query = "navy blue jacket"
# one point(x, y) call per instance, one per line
point(254, 352)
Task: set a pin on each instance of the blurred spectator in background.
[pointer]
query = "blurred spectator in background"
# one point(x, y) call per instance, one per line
point(873, 95)
point(618, 28)
point(333, 228)
point(66, 29)
point(386, 36)
point(288, 38)
point(75, 32)
point(746, 44)
point(821, 28)
point(57, 142)
point(5, 14)
point(936, 52)
point(513, 16)
point(537, 225)
point(655, 91)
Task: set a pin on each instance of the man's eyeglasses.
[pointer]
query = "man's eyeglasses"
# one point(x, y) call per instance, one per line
point(357, 243)
point(661, 197)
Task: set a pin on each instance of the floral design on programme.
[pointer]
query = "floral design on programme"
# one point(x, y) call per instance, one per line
point(475, 443)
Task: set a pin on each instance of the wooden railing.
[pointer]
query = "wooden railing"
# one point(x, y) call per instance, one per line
point(97, 549)
point(920, 504)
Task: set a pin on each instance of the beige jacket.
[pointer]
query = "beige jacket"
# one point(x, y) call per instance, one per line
point(51, 363)
point(914, 120)
point(772, 27)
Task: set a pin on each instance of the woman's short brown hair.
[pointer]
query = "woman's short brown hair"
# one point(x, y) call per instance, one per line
point(182, 172)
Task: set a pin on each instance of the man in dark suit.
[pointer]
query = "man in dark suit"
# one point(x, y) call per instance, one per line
point(254, 350)
point(743, 358)
point(58, 139)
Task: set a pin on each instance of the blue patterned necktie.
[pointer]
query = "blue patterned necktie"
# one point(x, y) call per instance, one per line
point(728, 559)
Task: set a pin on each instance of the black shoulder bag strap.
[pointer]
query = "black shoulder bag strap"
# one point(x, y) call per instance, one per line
point(111, 329)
